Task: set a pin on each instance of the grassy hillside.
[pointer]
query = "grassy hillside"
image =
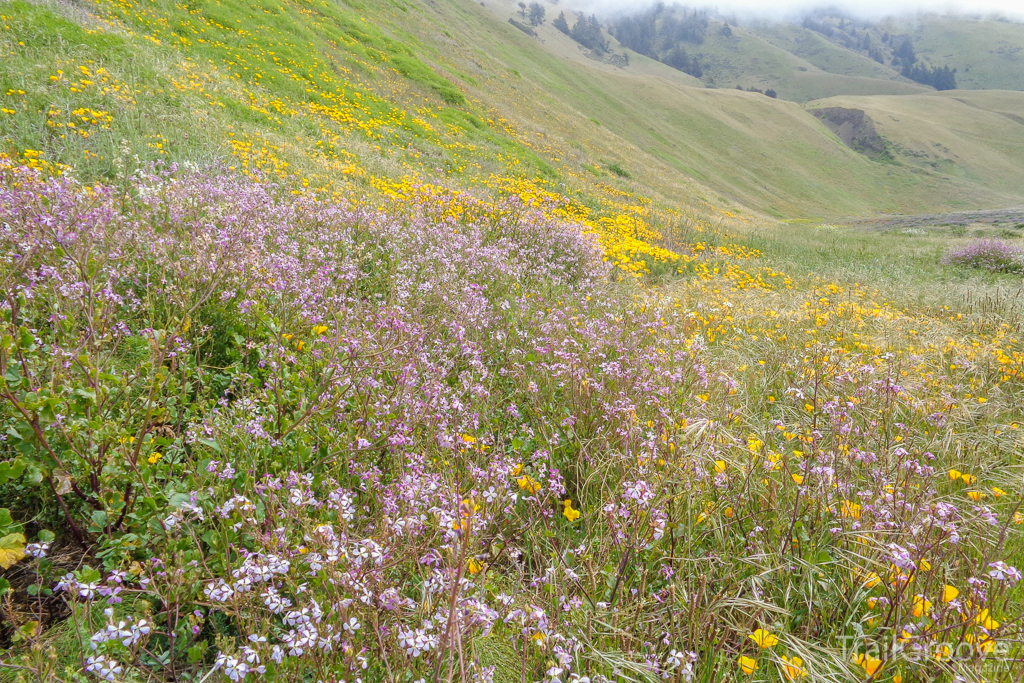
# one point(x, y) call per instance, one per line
point(822, 53)
point(969, 136)
point(747, 60)
point(761, 153)
point(409, 95)
point(987, 54)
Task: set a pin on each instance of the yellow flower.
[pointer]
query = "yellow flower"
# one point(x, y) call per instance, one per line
point(720, 466)
point(975, 495)
point(319, 329)
point(949, 593)
point(986, 620)
point(998, 492)
point(1018, 518)
point(868, 663)
point(798, 478)
point(528, 484)
point(569, 513)
point(728, 512)
point(955, 474)
point(299, 344)
point(466, 438)
point(793, 668)
point(968, 478)
point(764, 639)
point(747, 665)
point(851, 509)
point(153, 459)
point(517, 469)
point(473, 566)
point(925, 566)
point(871, 580)
point(921, 605)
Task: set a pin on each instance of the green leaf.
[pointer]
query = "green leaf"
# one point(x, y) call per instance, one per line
point(197, 652)
point(12, 469)
point(25, 339)
point(35, 475)
point(5, 518)
point(211, 443)
point(88, 575)
point(99, 518)
point(5, 585)
point(176, 499)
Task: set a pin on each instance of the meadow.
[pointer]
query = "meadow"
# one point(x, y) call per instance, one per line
point(345, 387)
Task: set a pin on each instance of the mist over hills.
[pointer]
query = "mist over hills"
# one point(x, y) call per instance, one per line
point(727, 48)
point(706, 93)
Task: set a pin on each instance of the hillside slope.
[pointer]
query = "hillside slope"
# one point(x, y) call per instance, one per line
point(764, 154)
point(822, 53)
point(391, 341)
point(987, 53)
point(747, 60)
point(453, 92)
point(968, 136)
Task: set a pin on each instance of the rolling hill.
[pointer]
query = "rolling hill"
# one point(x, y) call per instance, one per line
point(988, 53)
point(799, 67)
point(535, 107)
point(763, 153)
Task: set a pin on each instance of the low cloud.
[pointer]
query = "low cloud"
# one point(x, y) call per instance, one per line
point(789, 9)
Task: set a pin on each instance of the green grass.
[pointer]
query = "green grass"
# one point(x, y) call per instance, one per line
point(822, 53)
point(742, 147)
point(951, 137)
point(678, 142)
point(987, 54)
point(749, 60)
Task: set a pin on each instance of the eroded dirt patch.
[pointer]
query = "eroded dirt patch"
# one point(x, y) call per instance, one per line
point(854, 127)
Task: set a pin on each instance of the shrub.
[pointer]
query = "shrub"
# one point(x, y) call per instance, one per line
point(993, 255)
point(618, 170)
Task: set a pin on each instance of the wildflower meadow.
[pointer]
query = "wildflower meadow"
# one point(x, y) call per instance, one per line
point(289, 412)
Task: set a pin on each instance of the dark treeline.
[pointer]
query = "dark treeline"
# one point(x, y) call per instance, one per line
point(939, 77)
point(586, 31)
point(659, 33)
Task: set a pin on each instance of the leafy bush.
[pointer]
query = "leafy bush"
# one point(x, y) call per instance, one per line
point(988, 254)
point(618, 170)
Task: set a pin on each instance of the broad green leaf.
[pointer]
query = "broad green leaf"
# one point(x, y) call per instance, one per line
point(99, 518)
point(11, 469)
point(211, 443)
